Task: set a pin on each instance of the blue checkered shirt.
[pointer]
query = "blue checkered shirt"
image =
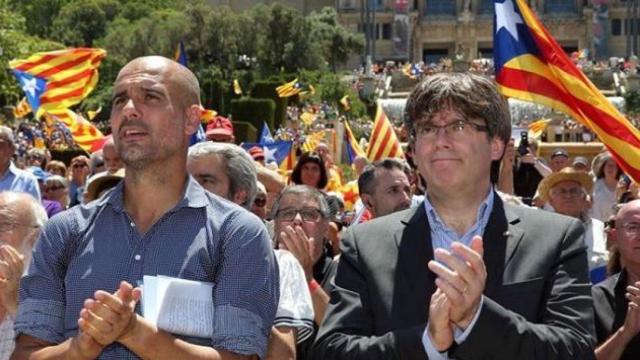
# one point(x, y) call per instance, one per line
point(203, 238)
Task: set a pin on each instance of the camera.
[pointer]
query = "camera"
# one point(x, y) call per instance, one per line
point(523, 148)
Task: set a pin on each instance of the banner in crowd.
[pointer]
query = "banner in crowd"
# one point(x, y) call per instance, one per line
point(84, 133)
point(383, 142)
point(531, 66)
point(59, 79)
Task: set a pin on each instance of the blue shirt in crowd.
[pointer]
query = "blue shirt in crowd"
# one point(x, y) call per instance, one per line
point(203, 238)
point(18, 180)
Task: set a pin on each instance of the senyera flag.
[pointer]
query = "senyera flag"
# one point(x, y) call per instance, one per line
point(531, 66)
point(383, 142)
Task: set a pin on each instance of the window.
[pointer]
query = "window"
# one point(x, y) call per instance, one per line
point(386, 31)
point(616, 27)
point(486, 7)
point(560, 6)
point(440, 7)
point(434, 55)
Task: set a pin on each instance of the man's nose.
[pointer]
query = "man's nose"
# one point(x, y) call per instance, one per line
point(130, 110)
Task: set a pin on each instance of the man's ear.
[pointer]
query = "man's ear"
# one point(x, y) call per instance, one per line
point(497, 148)
point(240, 197)
point(192, 119)
point(367, 200)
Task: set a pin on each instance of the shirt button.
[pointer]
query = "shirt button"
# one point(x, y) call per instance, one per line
point(137, 257)
point(132, 224)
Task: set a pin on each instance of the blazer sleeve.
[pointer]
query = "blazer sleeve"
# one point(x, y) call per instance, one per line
point(565, 329)
point(347, 331)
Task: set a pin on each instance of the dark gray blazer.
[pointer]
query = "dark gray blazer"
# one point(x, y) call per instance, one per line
point(537, 297)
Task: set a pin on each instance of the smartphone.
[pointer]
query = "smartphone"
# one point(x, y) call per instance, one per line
point(523, 148)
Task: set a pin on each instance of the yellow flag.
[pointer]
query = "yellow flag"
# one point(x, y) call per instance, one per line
point(236, 87)
point(92, 114)
point(22, 109)
point(308, 118)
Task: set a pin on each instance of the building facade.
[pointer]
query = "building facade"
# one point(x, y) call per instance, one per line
point(427, 30)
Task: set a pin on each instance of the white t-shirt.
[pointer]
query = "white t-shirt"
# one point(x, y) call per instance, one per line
point(603, 201)
point(295, 308)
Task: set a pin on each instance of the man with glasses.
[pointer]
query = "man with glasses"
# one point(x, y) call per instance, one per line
point(79, 172)
point(463, 275)
point(12, 178)
point(301, 221)
point(567, 192)
point(617, 299)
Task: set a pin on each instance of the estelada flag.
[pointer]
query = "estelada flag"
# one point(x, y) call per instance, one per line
point(383, 142)
point(57, 80)
point(531, 66)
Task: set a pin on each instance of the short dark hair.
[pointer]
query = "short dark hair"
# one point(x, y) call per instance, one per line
point(367, 180)
point(474, 95)
point(314, 157)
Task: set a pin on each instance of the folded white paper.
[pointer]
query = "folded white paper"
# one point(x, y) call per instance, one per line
point(178, 306)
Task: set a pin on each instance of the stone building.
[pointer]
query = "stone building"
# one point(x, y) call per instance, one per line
point(446, 28)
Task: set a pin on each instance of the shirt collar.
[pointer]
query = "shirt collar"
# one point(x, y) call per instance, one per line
point(481, 218)
point(194, 196)
point(12, 169)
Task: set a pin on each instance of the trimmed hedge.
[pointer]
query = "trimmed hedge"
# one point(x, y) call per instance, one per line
point(253, 111)
point(266, 89)
point(244, 132)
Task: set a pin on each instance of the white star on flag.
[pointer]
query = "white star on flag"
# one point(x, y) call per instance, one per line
point(507, 18)
point(270, 154)
point(30, 86)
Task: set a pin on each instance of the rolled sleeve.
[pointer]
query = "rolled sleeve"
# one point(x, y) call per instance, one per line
point(247, 287)
point(42, 319)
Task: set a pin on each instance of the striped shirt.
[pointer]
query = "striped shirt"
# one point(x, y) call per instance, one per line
point(203, 238)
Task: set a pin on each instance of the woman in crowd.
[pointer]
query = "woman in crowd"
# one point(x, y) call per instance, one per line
point(56, 167)
point(604, 191)
point(56, 188)
point(310, 171)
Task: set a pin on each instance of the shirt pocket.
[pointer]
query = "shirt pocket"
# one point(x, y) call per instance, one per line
point(522, 297)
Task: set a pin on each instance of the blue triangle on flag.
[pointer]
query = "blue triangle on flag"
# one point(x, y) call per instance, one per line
point(265, 136)
point(32, 86)
point(276, 151)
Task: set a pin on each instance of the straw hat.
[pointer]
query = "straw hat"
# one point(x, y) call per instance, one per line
point(102, 181)
point(566, 174)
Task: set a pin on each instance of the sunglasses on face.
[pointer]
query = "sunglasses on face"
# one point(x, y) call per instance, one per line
point(260, 202)
point(79, 166)
point(54, 188)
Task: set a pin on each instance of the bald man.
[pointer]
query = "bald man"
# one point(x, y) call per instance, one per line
point(110, 156)
point(78, 298)
point(21, 218)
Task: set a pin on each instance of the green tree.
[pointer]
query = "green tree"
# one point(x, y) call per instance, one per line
point(80, 23)
point(337, 42)
point(40, 14)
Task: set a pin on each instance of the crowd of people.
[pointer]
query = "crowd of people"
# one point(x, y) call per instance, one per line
point(471, 247)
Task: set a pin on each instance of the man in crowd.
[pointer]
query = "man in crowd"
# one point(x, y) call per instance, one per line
point(80, 170)
point(220, 130)
point(384, 187)
point(617, 299)
point(110, 156)
point(567, 192)
point(580, 163)
point(12, 178)
point(21, 218)
point(77, 299)
point(225, 170)
point(559, 159)
point(301, 215)
point(502, 281)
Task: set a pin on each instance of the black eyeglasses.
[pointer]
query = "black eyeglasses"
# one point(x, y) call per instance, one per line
point(260, 202)
point(78, 166)
point(455, 130)
point(307, 214)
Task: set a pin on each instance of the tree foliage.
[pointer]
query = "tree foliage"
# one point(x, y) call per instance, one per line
point(221, 44)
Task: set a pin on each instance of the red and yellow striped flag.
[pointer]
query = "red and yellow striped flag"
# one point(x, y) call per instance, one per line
point(383, 142)
point(84, 133)
point(68, 77)
point(530, 65)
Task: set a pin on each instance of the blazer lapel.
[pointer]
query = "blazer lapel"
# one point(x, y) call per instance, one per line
point(500, 241)
point(414, 280)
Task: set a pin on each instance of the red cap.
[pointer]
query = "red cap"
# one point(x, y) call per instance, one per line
point(220, 126)
point(256, 153)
